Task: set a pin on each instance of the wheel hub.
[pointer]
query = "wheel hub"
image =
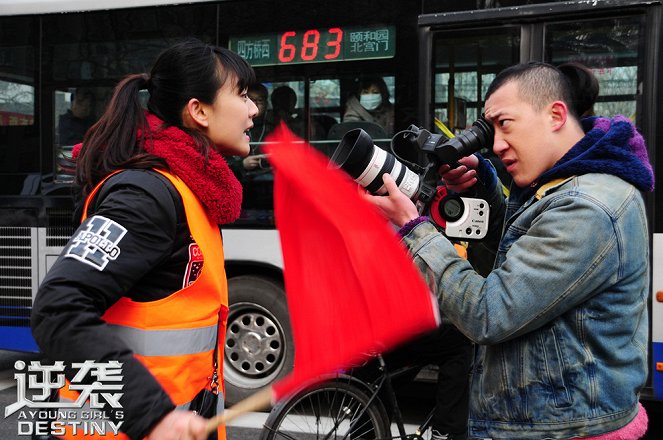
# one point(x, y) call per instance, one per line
point(254, 343)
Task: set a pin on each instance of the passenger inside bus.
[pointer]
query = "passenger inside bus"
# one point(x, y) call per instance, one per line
point(255, 161)
point(75, 122)
point(284, 103)
point(261, 126)
point(371, 104)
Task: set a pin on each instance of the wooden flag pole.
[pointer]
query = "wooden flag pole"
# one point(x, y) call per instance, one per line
point(255, 402)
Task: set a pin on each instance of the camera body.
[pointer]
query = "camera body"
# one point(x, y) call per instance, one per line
point(458, 217)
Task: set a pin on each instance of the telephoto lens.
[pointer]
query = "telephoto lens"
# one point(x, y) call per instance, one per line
point(366, 163)
point(479, 135)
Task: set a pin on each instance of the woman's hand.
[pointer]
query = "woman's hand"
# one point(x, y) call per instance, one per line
point(180, 425)
point(395, 206)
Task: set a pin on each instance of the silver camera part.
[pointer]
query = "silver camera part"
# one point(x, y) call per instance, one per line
point(382, 162)
point(473, 222)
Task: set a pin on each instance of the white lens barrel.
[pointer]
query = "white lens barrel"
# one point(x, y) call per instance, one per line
point(382, 162)
point(373, 168)
point(410, 183)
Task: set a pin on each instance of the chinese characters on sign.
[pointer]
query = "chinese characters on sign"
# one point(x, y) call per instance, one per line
point(255, 51)
point(96, 409)
point(369, 42)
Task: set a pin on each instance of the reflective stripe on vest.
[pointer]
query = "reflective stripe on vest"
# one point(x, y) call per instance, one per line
point(175, 337)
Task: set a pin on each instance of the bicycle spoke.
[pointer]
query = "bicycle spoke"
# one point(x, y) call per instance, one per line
point(335, 411)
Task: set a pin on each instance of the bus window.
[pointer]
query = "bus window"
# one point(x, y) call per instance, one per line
point(286, 105)
point(372, 101)
point(464, 66)
point(611, 48)
point(19, 155)
point(75, 110)
point(16, 103)
point(325, 104)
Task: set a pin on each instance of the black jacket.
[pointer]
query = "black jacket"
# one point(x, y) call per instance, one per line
point(151, 264)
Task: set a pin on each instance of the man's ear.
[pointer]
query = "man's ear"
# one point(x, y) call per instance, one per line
point(558, 114)
point(195, 115)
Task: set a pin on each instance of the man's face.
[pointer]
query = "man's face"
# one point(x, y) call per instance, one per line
point(522, 135)
point(81, 106)
point(259, 100)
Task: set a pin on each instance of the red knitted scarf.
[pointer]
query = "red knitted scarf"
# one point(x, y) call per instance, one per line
point(211, 180)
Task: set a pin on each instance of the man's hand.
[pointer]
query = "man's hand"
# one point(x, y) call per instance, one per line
point(462, 178)
point(395, 206)
point(179, 425)
point(253, 162)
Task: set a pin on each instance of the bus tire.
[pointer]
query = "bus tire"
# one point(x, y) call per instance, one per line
point(258, 348)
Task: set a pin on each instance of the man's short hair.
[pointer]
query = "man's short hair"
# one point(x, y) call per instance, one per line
point(538, 84)
point(260, 89)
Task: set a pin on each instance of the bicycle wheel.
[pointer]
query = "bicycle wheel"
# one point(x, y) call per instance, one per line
point(331, 410)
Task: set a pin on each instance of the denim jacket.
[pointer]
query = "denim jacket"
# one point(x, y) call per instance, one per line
point(561, 321)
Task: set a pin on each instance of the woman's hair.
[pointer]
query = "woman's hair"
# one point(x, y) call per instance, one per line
point(377, 81)
point(584, 87)
point(186, 70)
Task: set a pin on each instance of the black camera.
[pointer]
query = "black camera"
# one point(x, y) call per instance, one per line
point(459, 217)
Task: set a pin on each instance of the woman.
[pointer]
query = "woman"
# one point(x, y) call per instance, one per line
point(371, 104)
point(585, 87)
point(142, 280)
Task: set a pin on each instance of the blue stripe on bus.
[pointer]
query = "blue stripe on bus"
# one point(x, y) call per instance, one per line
point(657, 376)
point(17, 339)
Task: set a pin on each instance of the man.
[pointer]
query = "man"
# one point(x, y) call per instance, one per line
point(75, 122)
point(258, 94)
point(562, 317)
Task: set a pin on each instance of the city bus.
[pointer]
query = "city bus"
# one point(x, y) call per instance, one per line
point(435, 59)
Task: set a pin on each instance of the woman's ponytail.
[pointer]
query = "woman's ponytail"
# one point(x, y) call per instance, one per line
point(112, 141)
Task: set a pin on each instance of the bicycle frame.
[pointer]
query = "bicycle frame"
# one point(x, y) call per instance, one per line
point(384, 381)
point(368, 387)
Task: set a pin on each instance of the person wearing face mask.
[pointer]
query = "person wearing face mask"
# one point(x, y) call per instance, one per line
point(371, 105)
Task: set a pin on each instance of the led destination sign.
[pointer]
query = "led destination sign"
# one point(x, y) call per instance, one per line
point(316, 45)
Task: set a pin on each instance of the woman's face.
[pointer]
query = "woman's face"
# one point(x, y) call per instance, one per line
point(370, 97)
point(230, 117)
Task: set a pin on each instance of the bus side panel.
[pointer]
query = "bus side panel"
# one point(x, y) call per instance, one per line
point(657, 317)
point(18, 339)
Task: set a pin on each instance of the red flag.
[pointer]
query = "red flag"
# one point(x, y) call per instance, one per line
point(352, 288)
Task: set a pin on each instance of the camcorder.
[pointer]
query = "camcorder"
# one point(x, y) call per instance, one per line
point(458, 217)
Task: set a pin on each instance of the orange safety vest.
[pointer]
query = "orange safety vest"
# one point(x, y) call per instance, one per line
point(175, 337)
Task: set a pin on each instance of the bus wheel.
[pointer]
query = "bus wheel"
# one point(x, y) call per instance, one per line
point(258, 348)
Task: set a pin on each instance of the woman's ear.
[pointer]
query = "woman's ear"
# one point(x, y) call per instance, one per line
point(195, 115)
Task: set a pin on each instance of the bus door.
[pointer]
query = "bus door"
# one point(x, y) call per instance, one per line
point(618, 40)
